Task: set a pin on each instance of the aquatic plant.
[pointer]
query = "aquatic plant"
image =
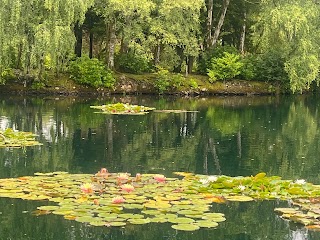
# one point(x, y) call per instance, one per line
point(117, 199)
point(123, 108)
point(16, 139)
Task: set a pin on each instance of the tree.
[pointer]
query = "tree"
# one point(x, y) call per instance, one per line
point(291, 27)
point(118, 16)
point(42, 39)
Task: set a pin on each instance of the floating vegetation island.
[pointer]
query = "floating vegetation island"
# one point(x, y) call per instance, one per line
point(16, 139)
point(119, 199)
point(123, 108)
point(128, 109)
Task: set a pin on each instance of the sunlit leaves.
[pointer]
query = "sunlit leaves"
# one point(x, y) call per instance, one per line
point(123, 108)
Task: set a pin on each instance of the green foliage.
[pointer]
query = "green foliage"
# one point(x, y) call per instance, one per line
point(226, 67)
point(207, 56)
point(37, 84)
point(132, 63)
point(270, 67)
point(249, 68)
point(123, 108)
point(91, 72)
point(162, 81)
point(193, 83)
point(291, 29)
point(7, 74)
point(165, 80)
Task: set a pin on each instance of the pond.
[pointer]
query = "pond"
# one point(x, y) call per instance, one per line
point(233, 136)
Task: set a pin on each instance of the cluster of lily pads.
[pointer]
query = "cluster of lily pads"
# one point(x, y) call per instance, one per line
point(116, 199)
point(123, 108)
point(119, 199)
point(128, 109)
point(11, 138)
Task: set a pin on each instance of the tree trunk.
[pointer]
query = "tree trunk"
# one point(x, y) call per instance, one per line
point(19, 63)
point(209, 23)
point(78, 35)
point(157, 54)
point(190, 63)
point(177, 68)
point(111, 44)
point(243, 34)
point(91, 44)
point(220, 23)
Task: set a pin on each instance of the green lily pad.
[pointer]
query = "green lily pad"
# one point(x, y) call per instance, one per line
point(206, 224)
point(139, 221)
point(185, 227)
point(181, 220)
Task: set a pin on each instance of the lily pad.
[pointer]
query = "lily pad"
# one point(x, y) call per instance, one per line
point(185, 227)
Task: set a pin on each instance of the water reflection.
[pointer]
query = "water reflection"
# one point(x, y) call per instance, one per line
point(228, 135)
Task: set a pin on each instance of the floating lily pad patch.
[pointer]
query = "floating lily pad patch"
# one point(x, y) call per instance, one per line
point(119, 199)
point(123, 108)
point(17, 139)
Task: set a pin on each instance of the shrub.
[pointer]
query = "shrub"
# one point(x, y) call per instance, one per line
point(165, 80)
point(91, 72)
point(249, 68)
point(7, 74)
point(206, 57)
point(226, 67)
point(132, 63)
point(162, 81)
point(270, 67)
point(193, 83)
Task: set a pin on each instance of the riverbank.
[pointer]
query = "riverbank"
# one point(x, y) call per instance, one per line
point(139, 84)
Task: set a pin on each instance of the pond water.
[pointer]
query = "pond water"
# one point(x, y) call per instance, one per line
point(232, 136)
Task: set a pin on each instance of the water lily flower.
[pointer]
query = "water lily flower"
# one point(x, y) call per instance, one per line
point(204, 181)
point(300, 181)
point(118, 199)
point(159, 178)
point(127, 188)
point(123, 176)
point(212, 178)
point(138, 177)
point(103, 173)
point(86, 188)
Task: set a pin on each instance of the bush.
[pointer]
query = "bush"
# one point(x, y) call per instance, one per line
point(206, 57)
point(270, 67)
point(165, 80)
point(225, 67)
point(162, 81)
point(91, 72)
point(249, 68)
point(7, 74)
point(131, 63)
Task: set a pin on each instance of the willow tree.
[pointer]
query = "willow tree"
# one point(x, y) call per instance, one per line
point(176, 25)
point(118, 16)
point(39, 33)
point(291, 28)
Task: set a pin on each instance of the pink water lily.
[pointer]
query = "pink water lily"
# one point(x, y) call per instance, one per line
point(123, 176)
point(127, 188)
point(159, 178)
point(86, 188)
point(118, 199)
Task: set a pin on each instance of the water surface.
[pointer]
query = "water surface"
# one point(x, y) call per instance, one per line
point(227, 135)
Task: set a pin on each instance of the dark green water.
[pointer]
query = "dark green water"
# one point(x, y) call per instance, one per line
point(228, 135)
